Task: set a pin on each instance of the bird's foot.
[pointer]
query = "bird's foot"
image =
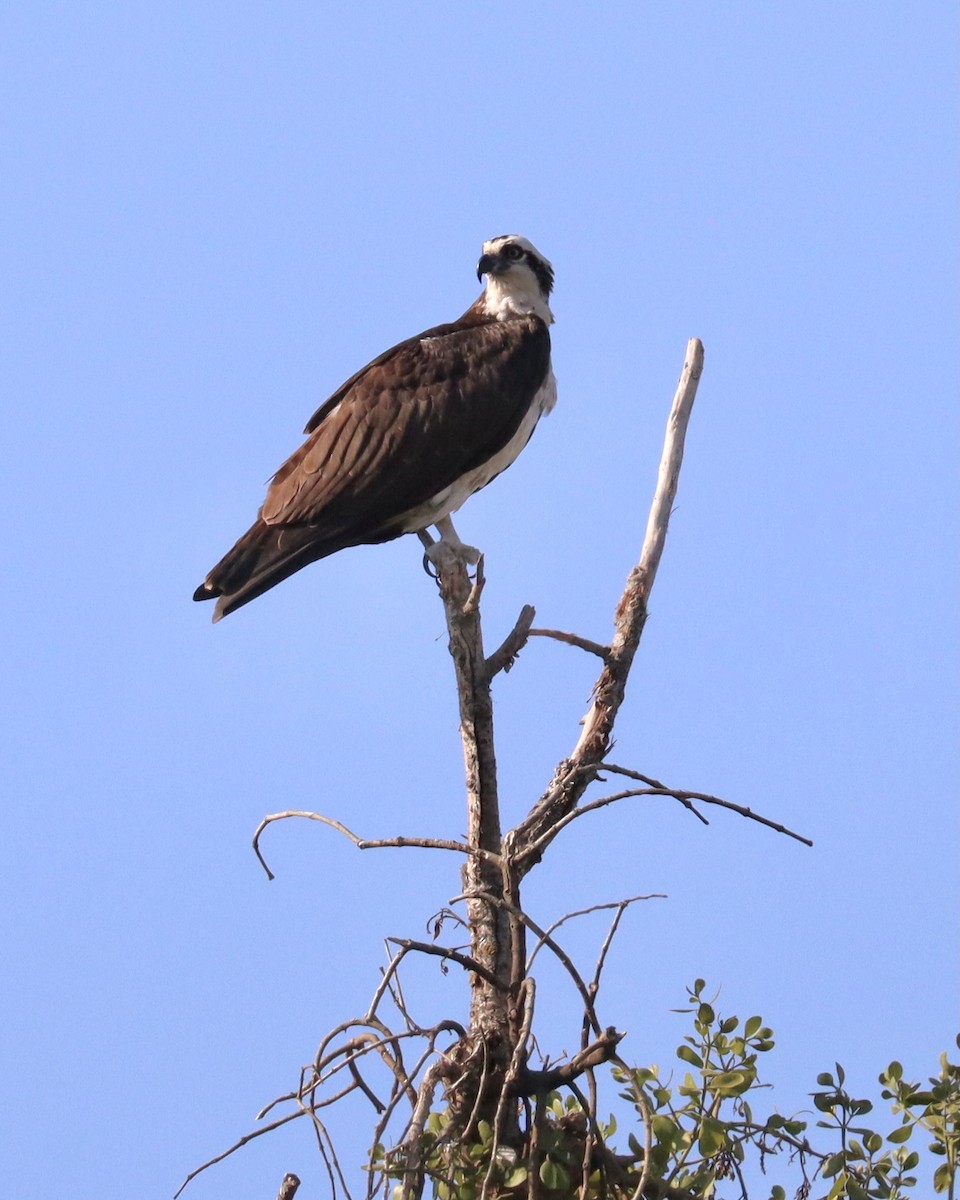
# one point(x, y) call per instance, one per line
point(446, 553)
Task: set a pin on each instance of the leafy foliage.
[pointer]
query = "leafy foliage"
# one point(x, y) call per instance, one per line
point(698, 1134)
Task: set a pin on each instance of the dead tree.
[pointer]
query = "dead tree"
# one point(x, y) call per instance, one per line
point(483, 1067)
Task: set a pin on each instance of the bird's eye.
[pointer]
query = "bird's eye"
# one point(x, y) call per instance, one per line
point(513, 253)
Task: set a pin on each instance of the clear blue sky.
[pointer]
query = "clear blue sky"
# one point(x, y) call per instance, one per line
point(211, 215)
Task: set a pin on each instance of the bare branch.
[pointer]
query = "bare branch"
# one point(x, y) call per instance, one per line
point(660, 789)
point(503, 658)
point(574, 773)
point(394, 843)
point(470, 964)
point(573, 639)
point(247, 1137)
point(602, 1050)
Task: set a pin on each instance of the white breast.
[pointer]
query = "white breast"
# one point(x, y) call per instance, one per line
point(451, 498)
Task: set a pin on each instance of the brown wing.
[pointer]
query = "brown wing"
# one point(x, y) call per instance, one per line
point(408, 425)
point(394, 435)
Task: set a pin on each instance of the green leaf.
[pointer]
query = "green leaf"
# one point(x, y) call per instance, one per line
point(730, 1082)
point(712, 1138)
point(831, 1166)
point(777, 1193)
point(750, 1027)
point(825, 1079)
point(894, 1071)
point(516, 1178)
point(873, 1142)
point(553, 1176)
point(665, 1129)
point(705, 1014)
point(942, 1177)
point(900, 1135)
point(689, 1055)
point(729, 1025)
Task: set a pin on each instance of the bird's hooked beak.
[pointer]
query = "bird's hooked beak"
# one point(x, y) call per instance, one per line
point(490, 264)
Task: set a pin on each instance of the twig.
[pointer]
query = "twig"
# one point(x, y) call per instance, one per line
point(584, 912)
point(503, 658)
point(470, 964)
point(247, 1137)
point(573, 639)
point(685, 798)
point(394, 843)
point(328, 1152)
point(660, 789)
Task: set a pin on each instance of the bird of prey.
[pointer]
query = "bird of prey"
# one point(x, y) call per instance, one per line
point(408, 439)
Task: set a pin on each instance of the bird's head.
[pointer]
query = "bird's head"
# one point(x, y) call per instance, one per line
point(519, 278)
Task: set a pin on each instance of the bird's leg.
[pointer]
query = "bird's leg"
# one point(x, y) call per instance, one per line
point(449, 544)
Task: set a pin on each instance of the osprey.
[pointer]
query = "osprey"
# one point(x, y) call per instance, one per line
point(407, 440)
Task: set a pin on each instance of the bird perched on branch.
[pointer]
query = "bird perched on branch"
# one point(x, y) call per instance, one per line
point(408, 439)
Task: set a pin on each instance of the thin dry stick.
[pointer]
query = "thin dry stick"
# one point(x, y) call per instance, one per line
point(394, 843)
point(247, 1137)
point(583, 912)
point(656, 788)
point(574, 773)
point(685, 798)
point(573, 639)
point(464, 960)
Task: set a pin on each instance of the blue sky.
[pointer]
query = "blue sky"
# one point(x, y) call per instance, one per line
point(211, 215)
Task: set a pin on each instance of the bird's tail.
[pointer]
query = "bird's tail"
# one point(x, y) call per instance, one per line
point(263, 557)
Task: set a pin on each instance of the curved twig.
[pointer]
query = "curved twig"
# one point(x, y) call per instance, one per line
point(394, 843)
point(465, 961)
point(573, 639)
